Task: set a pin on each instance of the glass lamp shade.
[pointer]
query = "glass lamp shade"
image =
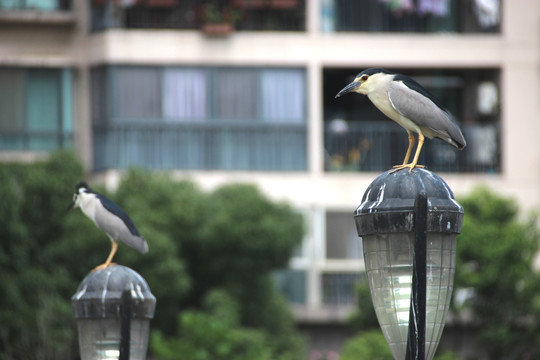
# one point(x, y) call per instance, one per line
point(107, 304)
point(386, 220)
point(389, 264)
point(100, 338)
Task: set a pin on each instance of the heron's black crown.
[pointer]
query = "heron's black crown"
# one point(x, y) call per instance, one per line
point(375, 70)
point(82, 185)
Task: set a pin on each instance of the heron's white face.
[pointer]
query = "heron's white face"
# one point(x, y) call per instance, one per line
point(367, 84)
point(78, 197)
point(360, 80)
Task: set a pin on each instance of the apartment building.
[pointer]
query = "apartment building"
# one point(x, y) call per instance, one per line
point(243, 90)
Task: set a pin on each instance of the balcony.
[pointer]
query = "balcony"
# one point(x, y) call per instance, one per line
point(206, 118)
point(243, 15)
point(378, 145)
point(358, 137)
point(422, 16)
point(202, 146)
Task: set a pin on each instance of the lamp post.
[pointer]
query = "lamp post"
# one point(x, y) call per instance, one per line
point(113, 308)
point(408, 224)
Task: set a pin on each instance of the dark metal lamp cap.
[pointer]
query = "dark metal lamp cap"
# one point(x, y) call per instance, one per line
point(100, 294)
point(388, 204)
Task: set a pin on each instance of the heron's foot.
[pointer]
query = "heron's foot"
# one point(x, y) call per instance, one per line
point(102, 266)
point(410, 166)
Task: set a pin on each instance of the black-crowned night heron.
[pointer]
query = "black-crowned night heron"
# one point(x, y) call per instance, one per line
point(410, 105)
point(109, 218)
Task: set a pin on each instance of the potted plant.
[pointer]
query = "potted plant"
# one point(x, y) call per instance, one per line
point(250, 4)
point(284, 4)
point(217, 21)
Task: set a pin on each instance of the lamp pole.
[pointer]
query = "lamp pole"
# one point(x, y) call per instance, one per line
point(416, 341)
point(408, 224)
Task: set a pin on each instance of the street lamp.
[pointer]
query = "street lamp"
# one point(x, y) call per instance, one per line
point(113, 308)
point(408, 224)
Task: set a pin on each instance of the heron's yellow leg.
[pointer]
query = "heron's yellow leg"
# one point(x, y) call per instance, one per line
point(414, 163)
point(107, 262)
point(409, 149)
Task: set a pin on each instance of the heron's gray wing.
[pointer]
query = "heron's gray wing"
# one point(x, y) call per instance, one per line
point(423, 111)
point(114, 208)
point(119, 227)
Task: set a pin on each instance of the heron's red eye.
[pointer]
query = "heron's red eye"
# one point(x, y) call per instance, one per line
point(364, 77)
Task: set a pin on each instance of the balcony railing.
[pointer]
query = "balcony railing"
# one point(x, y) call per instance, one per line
point(377, 146)
point(340, 288)
point(462, 16)
point(204, 146)
point(256, 15)
point(34, 140)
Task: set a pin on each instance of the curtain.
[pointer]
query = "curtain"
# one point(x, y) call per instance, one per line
point(42, 100)
point(137, 93)
point(43, 108)
point(11, 100)
point(236, 94)
point(185, 94)
point(283, 95)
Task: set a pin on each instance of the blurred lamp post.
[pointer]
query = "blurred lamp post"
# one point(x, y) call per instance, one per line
point(408, 223)
point(113, 308)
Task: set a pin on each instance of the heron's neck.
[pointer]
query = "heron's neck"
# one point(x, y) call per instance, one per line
point(88, 204)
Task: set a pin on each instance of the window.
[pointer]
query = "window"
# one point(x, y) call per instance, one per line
point(138, 93)
point(342, 240)
point(185, 94)
point(292, 284)
point(35, 109)
point(199, 118)
point(236, 94)
point(340, 288)
point(283, 95)
point(358, 137)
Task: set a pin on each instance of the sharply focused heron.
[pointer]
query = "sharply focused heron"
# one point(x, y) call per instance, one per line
point(410, 105)
point(109, 218)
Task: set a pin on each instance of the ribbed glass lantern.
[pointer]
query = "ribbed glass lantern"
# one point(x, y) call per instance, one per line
point(386, 220)
point(113, 308)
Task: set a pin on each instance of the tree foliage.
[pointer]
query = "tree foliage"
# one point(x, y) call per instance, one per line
point(209, 264)
point(495, 259)
point(367, 345)
point(35, 312)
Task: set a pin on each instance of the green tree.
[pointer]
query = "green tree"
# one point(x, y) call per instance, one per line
point(495, 258)
point(367, 345)
point(201, 245)
point(240, 237)
point(214, 334)
point(364, 317)
point(35, 312)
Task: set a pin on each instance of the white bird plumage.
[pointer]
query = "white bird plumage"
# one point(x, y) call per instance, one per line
point(109, 218)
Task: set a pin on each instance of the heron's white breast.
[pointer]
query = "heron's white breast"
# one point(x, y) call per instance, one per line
point(89, 204)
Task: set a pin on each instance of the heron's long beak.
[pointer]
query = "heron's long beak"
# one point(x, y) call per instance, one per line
point(70, 206)
point(349, 88)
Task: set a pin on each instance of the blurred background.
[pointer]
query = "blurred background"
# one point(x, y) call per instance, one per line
point(242, 91)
